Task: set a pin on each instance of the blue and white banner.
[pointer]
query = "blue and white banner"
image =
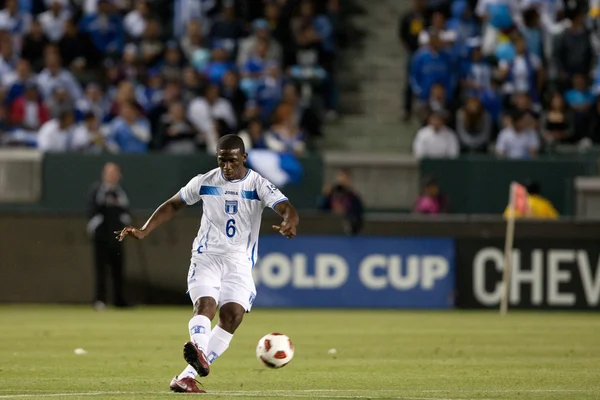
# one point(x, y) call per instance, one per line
point(329, 271)
point(279, 168)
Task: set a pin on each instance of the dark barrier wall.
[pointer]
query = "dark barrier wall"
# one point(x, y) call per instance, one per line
point(48, 259)
point(149, 179)
point(480, 184)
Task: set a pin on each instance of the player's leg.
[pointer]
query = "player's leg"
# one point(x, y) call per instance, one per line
point(230, 317)
point(204, 282)
point(237, 294)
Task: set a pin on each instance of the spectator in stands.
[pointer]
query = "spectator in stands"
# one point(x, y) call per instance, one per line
point(227, 28)
point(557, 123)
point(151, 94)
point(436, 140)
point(464, 26)
point(55, 76)
point(411, 25)
point(476, 72)
point(219, 64)
point(285, 136)
point(498, 16)
point(473, 126)
point(136, 20)
point(255, 67)
point(89, 136)
point(53, 21)
point(439, 27)
point(203, 115)
point(33, 46)
point(130, 131)
point(59, 101)
point(580, 100)
point(171, 94)
point(95, 102)
point(518, 140)
point(77, 49)
point(193, 43)
point(254, 135)
point(573, 52)
point(14, 21)
point(28, 112)
point(176, 133)
point(105, 28)
point(539, 206)
point(8, 57)
point(231, 91)
point(14, 84)
point(307, 118)
point(524, 73)
point(151, 46)
point(192, 85)
point(532, 32)
point(277, 26)
point(221, 110)
point(172, 65)
point(437, 102)
point(56, 135)
point(269, 91)
point(341, 199)
point(431, 201)
point(430, 66)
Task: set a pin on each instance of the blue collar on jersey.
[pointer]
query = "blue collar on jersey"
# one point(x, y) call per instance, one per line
point(238, 180)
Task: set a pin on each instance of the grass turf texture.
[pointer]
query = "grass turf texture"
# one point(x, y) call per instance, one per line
point(133, 354)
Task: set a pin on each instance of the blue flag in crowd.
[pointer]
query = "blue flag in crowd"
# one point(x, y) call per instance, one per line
point(280, 169)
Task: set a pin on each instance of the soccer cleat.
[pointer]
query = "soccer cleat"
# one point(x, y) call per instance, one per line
point(185, 385)
point(196, 358)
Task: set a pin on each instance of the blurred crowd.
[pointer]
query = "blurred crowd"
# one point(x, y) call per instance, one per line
point(516, 77)
point(132, 76)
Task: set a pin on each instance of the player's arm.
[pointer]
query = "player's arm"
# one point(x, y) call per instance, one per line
point(163, 213)
point(290, 219)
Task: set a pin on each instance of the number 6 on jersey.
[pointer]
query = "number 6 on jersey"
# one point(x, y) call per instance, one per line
point(230, 228)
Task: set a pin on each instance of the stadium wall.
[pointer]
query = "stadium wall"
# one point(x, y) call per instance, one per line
point(398, 263)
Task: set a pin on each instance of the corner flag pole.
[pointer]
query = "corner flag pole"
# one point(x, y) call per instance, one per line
point(517, 202)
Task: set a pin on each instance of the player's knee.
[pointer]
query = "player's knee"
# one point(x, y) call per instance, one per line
point(231, 316)
point(206, 306)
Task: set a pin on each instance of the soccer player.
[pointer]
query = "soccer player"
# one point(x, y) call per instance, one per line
point(223, 253)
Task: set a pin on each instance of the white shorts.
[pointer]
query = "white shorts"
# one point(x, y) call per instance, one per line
point(227, 279)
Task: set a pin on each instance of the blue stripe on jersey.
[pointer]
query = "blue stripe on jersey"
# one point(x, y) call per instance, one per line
point(249, 194)
point(253, 248)
point(210, 190)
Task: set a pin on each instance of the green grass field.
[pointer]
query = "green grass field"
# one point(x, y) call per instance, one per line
point(133, 354)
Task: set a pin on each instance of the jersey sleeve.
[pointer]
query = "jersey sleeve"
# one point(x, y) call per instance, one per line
point(269, 195)
point(190, 193)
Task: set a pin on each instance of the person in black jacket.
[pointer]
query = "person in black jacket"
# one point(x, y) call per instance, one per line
point(341, 199)
point(108, 212)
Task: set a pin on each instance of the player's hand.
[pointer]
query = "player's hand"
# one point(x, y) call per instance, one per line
point(130, 231)
point(286, 229)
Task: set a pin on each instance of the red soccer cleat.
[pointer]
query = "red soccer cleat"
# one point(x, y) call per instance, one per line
point(185, 385)
point(196, 358)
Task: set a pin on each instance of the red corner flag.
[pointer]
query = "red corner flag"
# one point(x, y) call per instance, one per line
point(519, 199)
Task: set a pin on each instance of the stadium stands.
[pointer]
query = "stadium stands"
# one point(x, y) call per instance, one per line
point(154, 75)
point(521, 70)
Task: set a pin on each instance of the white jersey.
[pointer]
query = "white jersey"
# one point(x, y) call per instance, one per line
point(232, 211)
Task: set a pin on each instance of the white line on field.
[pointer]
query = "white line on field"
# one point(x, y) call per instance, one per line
point(317, 393)
point(265, 393)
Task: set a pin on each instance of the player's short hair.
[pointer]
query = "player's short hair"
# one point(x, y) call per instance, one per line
point(231, 142)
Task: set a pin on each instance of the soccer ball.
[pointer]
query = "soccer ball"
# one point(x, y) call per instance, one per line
point(275, 350)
